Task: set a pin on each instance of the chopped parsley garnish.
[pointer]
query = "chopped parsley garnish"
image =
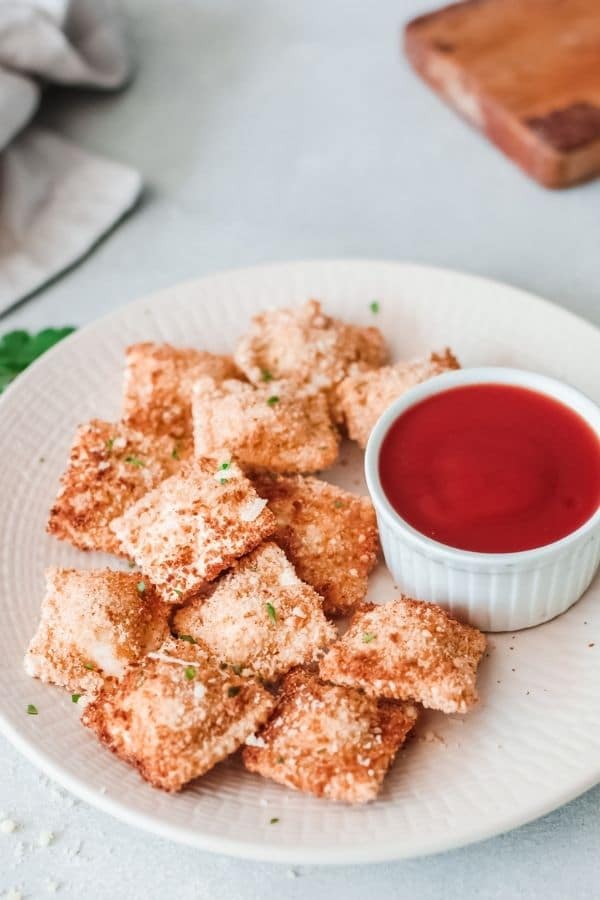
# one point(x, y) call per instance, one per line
point(273, 400)
point(141, 586)
point(89, 666)
point(274, 821)
point(18, 349)
point(374, 307)
point(190, 673)
point(266, 375)
point(75, 698)
point(134, 461)
point(223, 480)
point(338, 504)
point(175, 450)
point(233, 690)
point(271, 612)
point(225, 465)
point(109, 444)
point(32, 710)
point(368, 636)
point(237, 669)
point(187, 637)
point(178, 592)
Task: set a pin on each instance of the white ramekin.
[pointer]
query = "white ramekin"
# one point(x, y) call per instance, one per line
point(494, 591)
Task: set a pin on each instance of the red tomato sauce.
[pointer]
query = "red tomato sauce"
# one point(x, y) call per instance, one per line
point(492, 468)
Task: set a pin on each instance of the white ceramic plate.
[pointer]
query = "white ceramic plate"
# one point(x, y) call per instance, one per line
point(531, 745)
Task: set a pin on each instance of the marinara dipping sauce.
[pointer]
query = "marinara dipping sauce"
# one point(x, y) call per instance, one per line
point(493, 468)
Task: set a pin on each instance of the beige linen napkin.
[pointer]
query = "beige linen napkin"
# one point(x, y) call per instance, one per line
point(56, 200)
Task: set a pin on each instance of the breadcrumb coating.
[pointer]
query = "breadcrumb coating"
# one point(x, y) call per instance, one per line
point(274, 427)
point(334, 742)
point(193, 526)
point(409, 650)
point(363, 396)
point(93, 625)
point(177, 714)
point(157, 396)
point(110, 467)
point(260, 617)
point(329, 534)
point(307, 346)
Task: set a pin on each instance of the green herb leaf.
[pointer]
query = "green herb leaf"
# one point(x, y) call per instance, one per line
point(368, 636)
point(134, 461)
point(273, 821)
point(338, 504)
point(175, 450)
point(178, 592)
point(109, 444)
point(89, 666)
point(18, 349)
point(374, 307)
point(233, 690)
point(141, 586)
point(225, 465)
point(187, 637)
point(190, 673)
point(223, 480)
point(75, 698)
point(273, 400)
point(271, 612)
point(266, 375)
point(32, 710)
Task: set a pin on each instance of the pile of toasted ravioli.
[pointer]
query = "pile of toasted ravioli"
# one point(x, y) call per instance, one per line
point(222, 634)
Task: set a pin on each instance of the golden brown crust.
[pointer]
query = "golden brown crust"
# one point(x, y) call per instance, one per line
point(307, 346)
point(409, 650)
point(363, 396)
point(177, 714)
point(331, 741)
point(157, 396)
point(93, 625)
point(193, 526)
point(329, 534)
point(110, 467)
point(274, 426)
point(260, 617)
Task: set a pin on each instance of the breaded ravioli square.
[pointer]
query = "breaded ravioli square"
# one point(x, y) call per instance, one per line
point(329, 534)
point(158, 387)
point(110, 467)
point(193, 525)
point(409, 650)
point(307, 346)
point(93, 625)
point(177, 714)
point(334, 742)
point(275, 426)
point(260, 617)
point(363, 396)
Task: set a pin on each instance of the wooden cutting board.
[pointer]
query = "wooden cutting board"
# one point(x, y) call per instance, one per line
point(525, 72)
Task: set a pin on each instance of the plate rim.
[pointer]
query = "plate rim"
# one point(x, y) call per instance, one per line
point(248, 849)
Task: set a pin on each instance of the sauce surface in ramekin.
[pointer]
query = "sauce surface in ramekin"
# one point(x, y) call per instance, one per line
point(492, 468)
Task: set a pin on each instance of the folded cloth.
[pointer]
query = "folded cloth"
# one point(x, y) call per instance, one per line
point(56, 200)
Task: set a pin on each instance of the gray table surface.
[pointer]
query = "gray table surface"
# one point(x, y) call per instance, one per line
point(286, 130)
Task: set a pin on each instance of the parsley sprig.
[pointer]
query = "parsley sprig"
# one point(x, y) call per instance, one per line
point(18, 349)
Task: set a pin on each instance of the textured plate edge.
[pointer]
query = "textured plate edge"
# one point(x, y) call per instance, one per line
point(383, 852)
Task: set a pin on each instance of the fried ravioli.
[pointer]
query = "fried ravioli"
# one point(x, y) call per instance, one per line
point(409, 650)
point(177, 714)
point(260, 617)
point(363, 396)
point(334, 742)
point(329, 534)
